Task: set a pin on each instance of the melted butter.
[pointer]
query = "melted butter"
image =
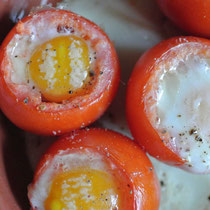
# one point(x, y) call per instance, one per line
point(83, 189)
point(183, 106)
point(59, 67)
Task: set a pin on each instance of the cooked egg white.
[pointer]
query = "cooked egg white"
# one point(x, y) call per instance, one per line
point(75, 181)
point(182, 106)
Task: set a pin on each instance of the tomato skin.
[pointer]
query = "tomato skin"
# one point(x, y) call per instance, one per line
point(45, 123)
point(139, 124)
point(190, 15)
point(124, 152)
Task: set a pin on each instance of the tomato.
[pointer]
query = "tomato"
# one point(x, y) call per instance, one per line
point(190, 15)
point(137, 186)
point(58, 72)
point(167, 102)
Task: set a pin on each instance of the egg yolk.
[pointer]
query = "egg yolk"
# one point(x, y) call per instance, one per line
point(85, 189)
point(60, 67)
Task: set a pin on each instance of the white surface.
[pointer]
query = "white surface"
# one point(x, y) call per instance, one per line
point(135, 26)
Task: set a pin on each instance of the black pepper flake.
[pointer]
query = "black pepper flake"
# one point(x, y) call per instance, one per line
point(162, 184)
point(128, 185)
point(16, 56)
point(25, 100)
point(91, 73)
point(33, 87)
point(181, 134)
point(101, 72)
point(192, 131)
point(70, 92)
point(179, 115)
point(209, 197)
point(46, 49)
point(198, 138)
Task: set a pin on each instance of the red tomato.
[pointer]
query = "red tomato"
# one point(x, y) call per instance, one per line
point(190, 15)
point(138, 187)
point(47, 113)
point(165, 84)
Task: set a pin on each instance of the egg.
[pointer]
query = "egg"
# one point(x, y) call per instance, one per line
point(57, 67)
point(53, 64)
point(83, 180)
point(168, 103)
point(94, 169)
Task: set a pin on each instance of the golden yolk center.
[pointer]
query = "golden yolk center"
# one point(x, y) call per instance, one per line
point(59, 67)
point(83, 189)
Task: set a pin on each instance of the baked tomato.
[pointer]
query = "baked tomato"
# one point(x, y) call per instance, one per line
point(94, 169)
point(58, 72)
point(168, 103)
point(190, 15)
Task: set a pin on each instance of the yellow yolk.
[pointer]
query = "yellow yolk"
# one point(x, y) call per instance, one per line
point(59, 67)
point(85, 189)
